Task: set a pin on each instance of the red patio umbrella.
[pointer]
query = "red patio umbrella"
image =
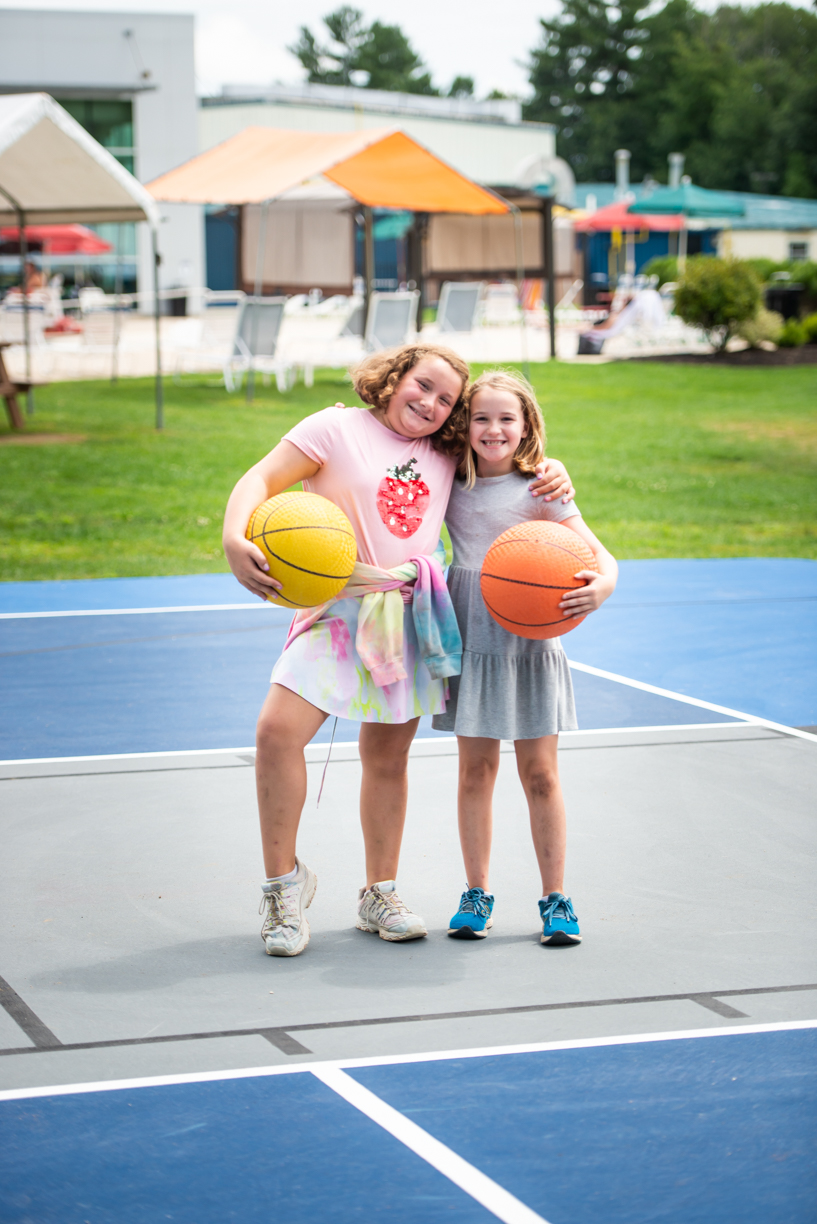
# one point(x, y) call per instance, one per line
point(616, 217)
point(60, 239)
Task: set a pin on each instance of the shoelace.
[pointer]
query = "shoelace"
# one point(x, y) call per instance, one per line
point(561, 907)
point(281, 908)
point(473, 901)
point(388, 905)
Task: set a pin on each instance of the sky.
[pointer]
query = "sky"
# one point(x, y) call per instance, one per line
point(244, 42)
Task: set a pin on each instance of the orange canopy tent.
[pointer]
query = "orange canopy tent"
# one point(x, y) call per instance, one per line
point(380, 168)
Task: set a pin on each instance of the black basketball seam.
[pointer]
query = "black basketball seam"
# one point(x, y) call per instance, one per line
point(542, 586)
point(293, 602)
point(307, 527)
point(313, 573)
point(527, 624)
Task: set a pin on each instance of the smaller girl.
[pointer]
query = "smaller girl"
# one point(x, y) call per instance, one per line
point(511, 688)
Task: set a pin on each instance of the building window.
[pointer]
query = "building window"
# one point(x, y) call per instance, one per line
point(798, 251)
point(111, 123)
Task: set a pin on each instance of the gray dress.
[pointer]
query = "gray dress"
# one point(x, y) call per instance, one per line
point(511, 687)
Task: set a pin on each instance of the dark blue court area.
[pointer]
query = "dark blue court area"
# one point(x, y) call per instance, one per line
point(122, 678)
point(686, 1131)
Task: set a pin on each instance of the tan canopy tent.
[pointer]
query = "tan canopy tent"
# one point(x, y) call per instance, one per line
point(380, 168)
point(53, 171)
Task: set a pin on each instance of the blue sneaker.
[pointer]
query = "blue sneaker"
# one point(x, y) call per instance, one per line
point(561, 926)
point(473, 919)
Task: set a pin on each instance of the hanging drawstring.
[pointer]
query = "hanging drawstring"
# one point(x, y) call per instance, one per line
point(326, 763)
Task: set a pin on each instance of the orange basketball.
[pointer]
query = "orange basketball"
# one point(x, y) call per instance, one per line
point(526, 572)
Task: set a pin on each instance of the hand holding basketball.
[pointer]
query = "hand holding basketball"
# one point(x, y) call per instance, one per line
point(526, 574)
point(250, 566)
point(588, 598)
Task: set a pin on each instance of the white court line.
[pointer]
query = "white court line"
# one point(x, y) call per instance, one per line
point(499, 1202)
point(321, 747)
point(227, 607)
point(394, 1060)
point(695, 701)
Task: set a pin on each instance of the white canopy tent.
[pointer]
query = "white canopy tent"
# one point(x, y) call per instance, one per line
point(52, 171)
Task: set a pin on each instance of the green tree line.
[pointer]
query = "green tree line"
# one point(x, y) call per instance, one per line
point(735, 90)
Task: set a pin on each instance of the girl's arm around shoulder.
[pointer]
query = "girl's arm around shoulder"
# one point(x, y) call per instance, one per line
point(282, 467)
point(551, 481)
point(598, 586)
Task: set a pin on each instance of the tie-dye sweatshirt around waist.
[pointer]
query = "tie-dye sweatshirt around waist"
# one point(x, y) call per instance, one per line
point(379, 637)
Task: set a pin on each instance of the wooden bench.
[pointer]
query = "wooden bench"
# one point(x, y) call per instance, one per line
point(10, 390)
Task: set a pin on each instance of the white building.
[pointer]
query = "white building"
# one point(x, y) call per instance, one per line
point(129, 79)
point(487, 141)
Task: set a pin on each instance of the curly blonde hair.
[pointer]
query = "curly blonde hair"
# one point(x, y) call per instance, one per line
point(531, 449)
point(377, 376)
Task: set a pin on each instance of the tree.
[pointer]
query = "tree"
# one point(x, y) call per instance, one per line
point(717, 295)
point(389, 59)
point(462, 87)
point(333, 64)
point(734, 90)
point(590, 76)
point(377, 56)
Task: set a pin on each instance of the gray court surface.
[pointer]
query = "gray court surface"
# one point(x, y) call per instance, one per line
point(131, 940)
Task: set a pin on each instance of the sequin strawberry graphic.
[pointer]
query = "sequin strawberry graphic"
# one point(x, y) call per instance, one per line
point(402, 498)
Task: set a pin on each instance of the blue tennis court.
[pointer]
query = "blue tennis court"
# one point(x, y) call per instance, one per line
point(687, 1129)
point(177, 664)
point(155, 1064)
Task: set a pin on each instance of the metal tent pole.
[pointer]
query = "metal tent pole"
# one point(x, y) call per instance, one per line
point(550, 273)
point(368, 261)
point(26, 319)
point(160, 391)
point(258, 289)
point(21, 223)
point(520, 276)
point(117, 308)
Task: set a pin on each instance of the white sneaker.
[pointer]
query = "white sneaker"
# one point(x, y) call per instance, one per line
point(286, 931)
point(380, 910)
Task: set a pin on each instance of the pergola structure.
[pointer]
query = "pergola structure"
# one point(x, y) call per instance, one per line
point(378, 168)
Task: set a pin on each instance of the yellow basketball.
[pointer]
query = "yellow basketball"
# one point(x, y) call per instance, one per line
point(309, 544)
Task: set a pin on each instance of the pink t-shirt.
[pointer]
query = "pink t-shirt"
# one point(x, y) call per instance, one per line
point(394, 490)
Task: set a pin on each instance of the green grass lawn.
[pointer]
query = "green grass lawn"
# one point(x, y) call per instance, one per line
point(668, 461)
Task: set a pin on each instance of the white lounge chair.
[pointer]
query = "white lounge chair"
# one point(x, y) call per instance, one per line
point(458, 306)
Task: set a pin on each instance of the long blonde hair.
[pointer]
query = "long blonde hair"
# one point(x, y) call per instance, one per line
point(377, 376)
point(531, 449)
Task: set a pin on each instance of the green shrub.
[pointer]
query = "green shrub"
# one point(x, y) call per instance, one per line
point(792, 334)
point(810, 327)
point(765, 326)
point(665, 267)
point(763, 269)
point(717, 295)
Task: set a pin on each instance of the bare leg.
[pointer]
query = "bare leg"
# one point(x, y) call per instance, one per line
point(479, 765)
point(539, 774)
point(286, 724)
point(384, 752)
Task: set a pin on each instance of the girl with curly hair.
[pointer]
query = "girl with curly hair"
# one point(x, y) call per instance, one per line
point(382, 652)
